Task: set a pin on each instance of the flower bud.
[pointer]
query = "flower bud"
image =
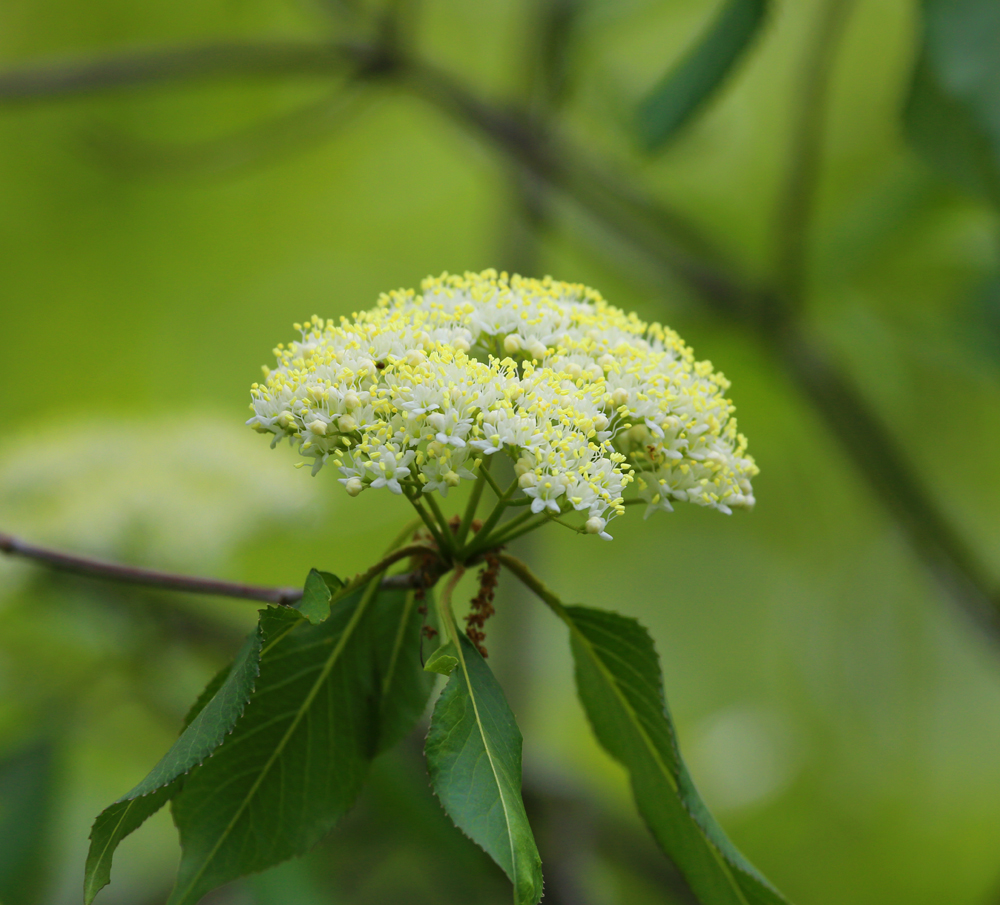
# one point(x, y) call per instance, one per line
point(512, 344)
point(346, 424)
point(318, 427)
point(354, 486)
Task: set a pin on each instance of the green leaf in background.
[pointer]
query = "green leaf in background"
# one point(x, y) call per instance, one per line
point(26, 778)
point(474, 757)
point(952, 115)
point(405, 687)
point(619, 681)
point(295, 760)
point(210, 720)
point(699, 74)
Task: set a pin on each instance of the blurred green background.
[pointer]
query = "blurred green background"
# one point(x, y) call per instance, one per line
point(840, 714)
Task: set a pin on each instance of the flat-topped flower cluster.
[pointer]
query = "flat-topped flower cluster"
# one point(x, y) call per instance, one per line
point(584, 398)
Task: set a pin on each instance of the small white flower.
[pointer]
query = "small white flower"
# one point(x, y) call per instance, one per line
point(397, 395)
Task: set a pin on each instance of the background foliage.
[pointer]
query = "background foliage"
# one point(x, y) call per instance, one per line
point(838, 710)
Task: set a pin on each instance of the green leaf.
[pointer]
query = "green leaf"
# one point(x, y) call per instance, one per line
point(26, 780)
point(699, 74)
point(207, 727)
point(474, 757)
point(316, 596)
point(619, 681)
point(952, 115)
point(405, 687)
point(296, 759)
point(443, 661)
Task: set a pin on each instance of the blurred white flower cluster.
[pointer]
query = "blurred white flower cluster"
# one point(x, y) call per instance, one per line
point(176, 493)
point(583, 397)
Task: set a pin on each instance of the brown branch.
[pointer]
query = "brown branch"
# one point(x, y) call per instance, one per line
point(189, 584)
point(228, 59)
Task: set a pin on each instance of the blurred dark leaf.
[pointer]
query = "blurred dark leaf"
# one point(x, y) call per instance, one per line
point(686, 87)
point(26, 779)
point(949, 135)
point(474, 758)
point(209, 722)
point(621, 687)
point(953, 112)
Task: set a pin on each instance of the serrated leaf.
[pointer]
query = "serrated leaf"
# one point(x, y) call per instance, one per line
point(206, 729)
point(295, 760)
point(26, 795)
point(686, 87)
point(619, 682)
point(474, 758)
point(405, 687)
point(316, 595)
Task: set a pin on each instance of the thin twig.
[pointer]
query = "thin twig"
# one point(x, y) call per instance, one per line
point(190, 584)
point(95, 568)
point(227, 59)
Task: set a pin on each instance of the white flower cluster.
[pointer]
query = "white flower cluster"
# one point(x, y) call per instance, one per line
point(583, 397)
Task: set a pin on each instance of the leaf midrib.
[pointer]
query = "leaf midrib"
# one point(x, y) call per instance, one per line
point(633, 716)
point(306, 704)
point(489, 757)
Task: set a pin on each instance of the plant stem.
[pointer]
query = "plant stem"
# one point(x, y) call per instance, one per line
point(407, 530)
point(473, 504)
point(525, 527)
point(485, 541)
point(95, 568)
point(534, 583)
point(495, 487)
point(447, 536)
point(425, 518)
point(385, 562)
point(445, 614)
point(189, 584)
